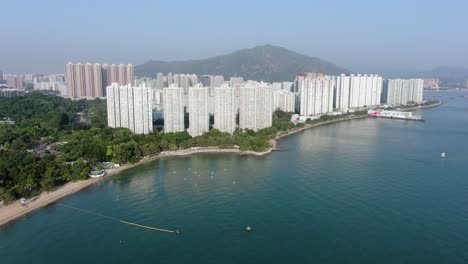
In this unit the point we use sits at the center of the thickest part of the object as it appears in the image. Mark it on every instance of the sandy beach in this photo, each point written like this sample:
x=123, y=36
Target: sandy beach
x=16, y=209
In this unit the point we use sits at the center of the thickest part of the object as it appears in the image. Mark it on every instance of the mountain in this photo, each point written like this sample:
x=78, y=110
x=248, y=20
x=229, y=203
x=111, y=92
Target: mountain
x=267, y=63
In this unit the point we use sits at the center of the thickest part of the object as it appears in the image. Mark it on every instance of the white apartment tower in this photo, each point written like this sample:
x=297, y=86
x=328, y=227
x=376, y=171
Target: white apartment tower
x=342, y=92
x=364, y=90
x=403, y=92
x=284, y=100
x=130, y=107
x=256, y=108
x=173, y=109
x=216, y=81
x=316, y=95
x=225, y=109
x=199, y=117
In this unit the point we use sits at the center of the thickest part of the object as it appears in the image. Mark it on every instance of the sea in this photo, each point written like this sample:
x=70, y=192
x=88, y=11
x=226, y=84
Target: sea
x=361, y=191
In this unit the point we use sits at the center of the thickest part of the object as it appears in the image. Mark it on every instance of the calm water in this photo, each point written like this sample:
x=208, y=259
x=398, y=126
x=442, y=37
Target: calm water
x=364, y=191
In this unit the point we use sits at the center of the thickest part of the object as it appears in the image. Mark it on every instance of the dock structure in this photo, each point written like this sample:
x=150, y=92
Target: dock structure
x=394, y=115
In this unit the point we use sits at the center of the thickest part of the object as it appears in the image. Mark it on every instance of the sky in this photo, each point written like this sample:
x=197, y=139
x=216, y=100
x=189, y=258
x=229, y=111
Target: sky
x=42, y=36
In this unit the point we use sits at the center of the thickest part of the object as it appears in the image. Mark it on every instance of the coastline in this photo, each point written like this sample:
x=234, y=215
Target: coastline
x=16, y=210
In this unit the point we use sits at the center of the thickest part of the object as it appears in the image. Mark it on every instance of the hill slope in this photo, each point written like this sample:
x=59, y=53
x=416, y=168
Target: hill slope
x=267, y=63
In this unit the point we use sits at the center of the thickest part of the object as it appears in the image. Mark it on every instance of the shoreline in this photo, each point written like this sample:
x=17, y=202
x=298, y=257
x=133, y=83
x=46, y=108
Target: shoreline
x=16, y=210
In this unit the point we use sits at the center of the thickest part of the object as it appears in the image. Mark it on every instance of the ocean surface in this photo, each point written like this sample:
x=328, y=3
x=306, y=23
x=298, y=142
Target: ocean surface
x=361, y=191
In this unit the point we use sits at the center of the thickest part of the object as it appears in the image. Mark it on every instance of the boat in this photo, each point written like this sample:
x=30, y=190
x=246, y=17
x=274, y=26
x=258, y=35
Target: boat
x=442, y=156
x=97, y=173
x=248, y=229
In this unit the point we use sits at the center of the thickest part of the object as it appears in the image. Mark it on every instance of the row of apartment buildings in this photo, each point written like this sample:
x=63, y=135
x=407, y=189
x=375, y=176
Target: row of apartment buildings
x=255, y=102
x=90, y=80
x=255, y=108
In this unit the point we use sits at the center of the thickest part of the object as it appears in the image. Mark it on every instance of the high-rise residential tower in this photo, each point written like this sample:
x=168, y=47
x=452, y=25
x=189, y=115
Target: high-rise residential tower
x=403, y=92
x=216, y=81
x=225, y=109
x=90, y=80
x=199, y=117
x=284, y=100
x=173, y=109
x=342, y=92
x=316, y=95
x=255, y=111
x=15, y=82
x=365, y=90
x=130, y=107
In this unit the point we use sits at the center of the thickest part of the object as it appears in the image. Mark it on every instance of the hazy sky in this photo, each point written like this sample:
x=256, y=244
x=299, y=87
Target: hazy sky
x=41, y=36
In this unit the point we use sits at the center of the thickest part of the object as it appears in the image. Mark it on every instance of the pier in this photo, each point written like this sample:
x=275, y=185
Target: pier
x=394, y=115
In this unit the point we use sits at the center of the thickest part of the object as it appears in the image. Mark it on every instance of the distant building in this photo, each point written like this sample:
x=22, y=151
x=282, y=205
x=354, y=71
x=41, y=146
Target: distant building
x=11, y=92
x=15, y=82
x=173, y=109
x=403, y=92
x=235, y=80
x=276, y=86
x=431, y=84
x=288, y=86
x=89, y=80
x=169, y=79
x=256, y=108
x=216, y=81
x=199, y=117
x=53, y=82
x=205, y=80
x=160, y=80
x=130, y=107
x=225, y=109
x=1, y=76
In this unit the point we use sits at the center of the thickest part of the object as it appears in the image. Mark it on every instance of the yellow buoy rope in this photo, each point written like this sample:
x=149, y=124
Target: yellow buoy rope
x=121, y=221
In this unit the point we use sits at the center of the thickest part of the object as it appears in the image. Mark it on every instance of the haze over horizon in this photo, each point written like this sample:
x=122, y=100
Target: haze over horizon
x=357, y=35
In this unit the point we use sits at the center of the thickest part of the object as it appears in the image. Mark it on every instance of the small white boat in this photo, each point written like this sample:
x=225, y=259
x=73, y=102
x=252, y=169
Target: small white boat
x=97, y=173
x=442, y=156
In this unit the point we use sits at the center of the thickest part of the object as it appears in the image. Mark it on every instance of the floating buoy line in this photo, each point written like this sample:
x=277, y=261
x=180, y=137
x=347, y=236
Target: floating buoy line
x=119, y=220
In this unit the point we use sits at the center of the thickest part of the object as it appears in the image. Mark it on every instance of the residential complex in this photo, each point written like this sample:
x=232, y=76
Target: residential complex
x=225, y=109
x=199, y=117
x=53, y=82
x=15, y=82
x=90, y=80
x=173, y=109
x=234, y=104
x=11, y=92
x=130, y=107
x=315, y=95
x=235, y=80
x=284, y=100
x=356, y=91
x=256, y=108
x=216, y=81
x=431, y=84
x=403, y=92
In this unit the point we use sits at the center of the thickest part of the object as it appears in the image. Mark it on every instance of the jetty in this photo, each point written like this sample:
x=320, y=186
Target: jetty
x=394, y=115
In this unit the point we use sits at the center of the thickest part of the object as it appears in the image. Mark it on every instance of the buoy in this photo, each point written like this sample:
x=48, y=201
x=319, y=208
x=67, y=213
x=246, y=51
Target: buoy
x=248, y=229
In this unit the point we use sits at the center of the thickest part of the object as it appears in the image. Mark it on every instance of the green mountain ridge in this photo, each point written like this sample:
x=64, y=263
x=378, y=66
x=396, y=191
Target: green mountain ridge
x=266, y=63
